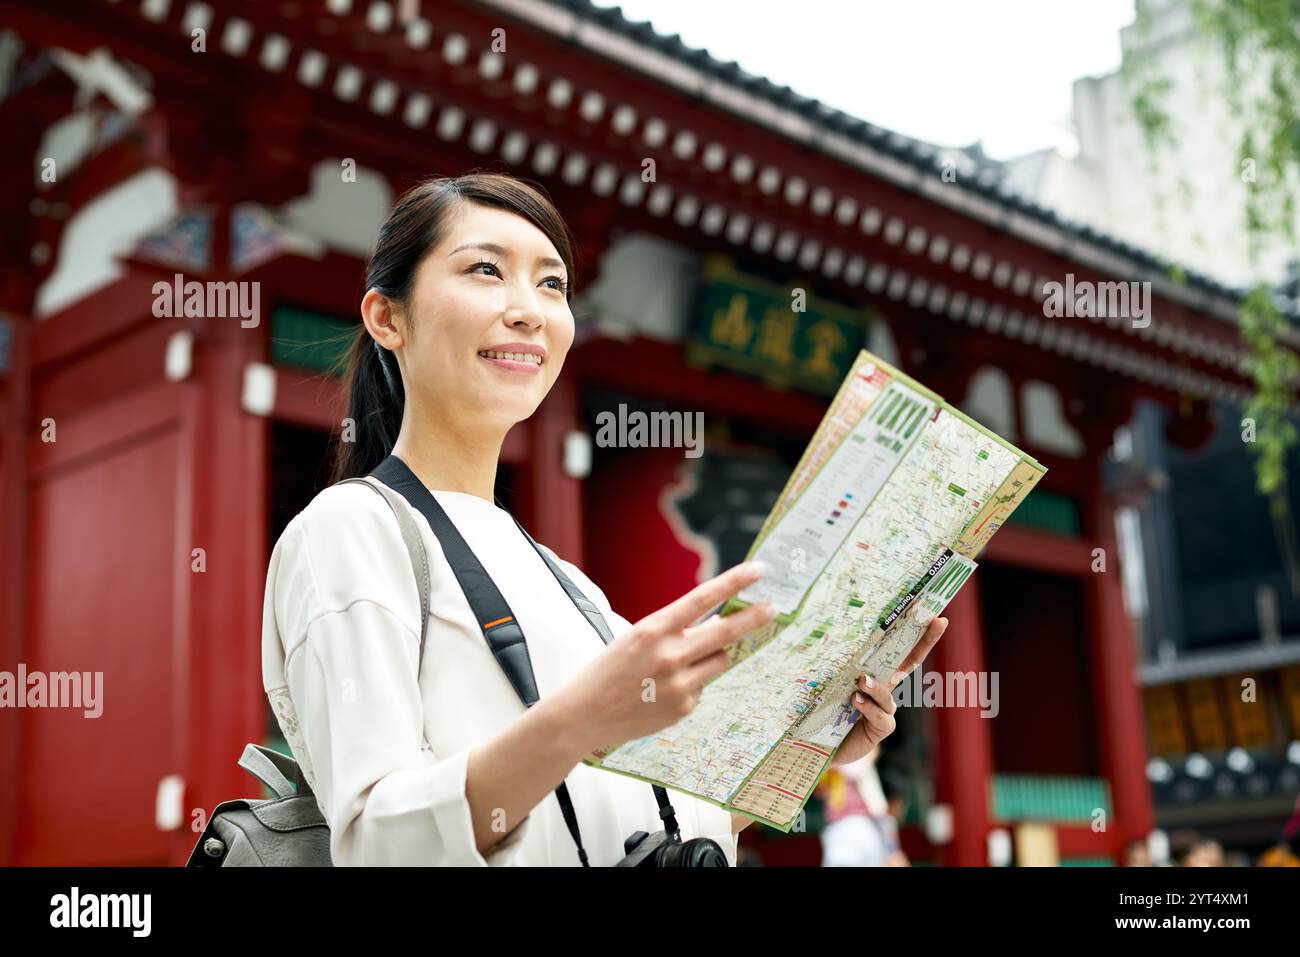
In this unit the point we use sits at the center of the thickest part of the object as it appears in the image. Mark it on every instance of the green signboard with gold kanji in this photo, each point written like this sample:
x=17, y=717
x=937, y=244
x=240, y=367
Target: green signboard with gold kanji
x=777, y=333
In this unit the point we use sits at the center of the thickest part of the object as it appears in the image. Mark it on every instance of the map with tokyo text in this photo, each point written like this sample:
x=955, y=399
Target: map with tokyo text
x=872, y=536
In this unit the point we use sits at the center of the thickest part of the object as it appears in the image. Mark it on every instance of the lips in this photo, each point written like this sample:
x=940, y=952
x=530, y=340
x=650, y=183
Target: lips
x=517, y=352
x=526, y=364
x=513, y=355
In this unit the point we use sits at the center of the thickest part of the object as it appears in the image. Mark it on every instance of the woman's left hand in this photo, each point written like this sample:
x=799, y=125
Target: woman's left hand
x=875, y=701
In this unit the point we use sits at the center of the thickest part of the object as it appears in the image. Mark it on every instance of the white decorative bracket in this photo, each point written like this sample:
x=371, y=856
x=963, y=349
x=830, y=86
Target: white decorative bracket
x=178, y=360
x=259, y=388
x=938, y=824
x=577, y=454
x=169, y=811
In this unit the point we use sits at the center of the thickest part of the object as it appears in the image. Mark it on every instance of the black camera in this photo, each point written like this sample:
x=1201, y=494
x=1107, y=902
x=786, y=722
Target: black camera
x=666, y=848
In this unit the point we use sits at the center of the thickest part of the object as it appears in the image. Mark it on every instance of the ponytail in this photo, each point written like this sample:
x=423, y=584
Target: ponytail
x=376, y=398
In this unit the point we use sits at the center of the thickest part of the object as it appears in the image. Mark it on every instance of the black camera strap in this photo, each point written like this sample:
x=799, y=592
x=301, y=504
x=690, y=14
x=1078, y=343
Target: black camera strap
x=500, y=629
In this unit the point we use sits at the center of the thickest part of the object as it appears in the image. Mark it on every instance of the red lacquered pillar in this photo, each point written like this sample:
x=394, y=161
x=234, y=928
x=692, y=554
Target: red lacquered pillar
x=1121, y=735
x=963, y=743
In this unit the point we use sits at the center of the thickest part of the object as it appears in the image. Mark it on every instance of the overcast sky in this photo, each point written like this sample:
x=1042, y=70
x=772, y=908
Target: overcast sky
x=946, y=71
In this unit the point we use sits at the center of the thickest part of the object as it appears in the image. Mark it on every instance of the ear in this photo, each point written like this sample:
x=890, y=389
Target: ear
x=383, y=319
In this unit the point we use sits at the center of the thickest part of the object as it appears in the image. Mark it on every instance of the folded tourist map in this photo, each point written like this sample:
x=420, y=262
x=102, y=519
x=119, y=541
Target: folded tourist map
x=874, y=533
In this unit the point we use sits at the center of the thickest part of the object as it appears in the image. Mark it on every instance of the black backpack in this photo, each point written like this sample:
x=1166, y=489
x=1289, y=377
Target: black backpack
x=289, y=830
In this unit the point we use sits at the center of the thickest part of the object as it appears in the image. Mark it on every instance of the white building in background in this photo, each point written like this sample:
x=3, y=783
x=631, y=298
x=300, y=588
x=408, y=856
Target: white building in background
x=1186, y=204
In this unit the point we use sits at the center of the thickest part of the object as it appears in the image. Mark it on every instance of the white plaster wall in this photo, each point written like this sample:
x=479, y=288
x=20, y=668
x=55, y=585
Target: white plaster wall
x=105, y=229
x=1112, y=186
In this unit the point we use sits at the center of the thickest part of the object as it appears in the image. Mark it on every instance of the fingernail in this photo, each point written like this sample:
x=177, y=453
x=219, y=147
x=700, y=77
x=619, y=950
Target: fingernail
x=859, y=697
x=869, y=681
x=760, y=566
x=945, y=622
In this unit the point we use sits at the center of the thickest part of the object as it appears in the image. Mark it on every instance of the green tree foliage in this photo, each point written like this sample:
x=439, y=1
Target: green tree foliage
x=1259, y=42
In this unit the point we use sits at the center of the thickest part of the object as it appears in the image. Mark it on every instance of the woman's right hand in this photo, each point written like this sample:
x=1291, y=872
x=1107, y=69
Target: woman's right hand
x=652, y=675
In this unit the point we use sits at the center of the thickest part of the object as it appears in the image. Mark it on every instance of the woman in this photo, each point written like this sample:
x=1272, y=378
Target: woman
x=466, y=327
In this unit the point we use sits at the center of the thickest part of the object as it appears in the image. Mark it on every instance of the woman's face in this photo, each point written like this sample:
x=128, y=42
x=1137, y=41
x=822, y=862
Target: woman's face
x=494, y=284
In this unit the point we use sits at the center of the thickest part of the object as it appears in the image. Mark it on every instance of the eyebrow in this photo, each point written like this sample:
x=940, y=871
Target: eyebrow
x=501, y=251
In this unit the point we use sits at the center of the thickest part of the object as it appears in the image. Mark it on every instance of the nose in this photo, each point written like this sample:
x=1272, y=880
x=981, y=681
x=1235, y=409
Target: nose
x=523, y=309
x=525, y=318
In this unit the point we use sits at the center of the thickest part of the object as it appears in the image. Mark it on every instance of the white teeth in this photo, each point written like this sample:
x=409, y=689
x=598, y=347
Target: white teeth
x=516, y=356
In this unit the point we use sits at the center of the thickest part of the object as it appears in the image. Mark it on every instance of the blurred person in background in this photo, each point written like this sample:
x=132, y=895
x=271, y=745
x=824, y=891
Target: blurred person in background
x=894, y=784
x=855, y=803
x=1181, y=845
x=1137, y=854
x=1190, y=849
x=1286, y=853
x=1205, y=853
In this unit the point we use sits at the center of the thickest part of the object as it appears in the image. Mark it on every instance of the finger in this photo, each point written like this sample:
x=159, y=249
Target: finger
x=922, y=647
x=722, y=631
x=706, y=669
x=880, y=722
x=870, y=688
x=691, y=606
x=695, y=628
x=855, y=744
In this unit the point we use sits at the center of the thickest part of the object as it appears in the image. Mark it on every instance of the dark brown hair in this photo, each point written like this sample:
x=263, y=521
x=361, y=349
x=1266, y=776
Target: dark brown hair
x=376, y=395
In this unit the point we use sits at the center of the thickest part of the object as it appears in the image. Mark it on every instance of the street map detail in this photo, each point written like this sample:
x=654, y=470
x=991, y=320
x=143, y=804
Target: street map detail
x=874, y=533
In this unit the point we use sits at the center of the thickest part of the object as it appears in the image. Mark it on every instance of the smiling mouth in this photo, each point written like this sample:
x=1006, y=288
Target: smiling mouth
x=512, y=356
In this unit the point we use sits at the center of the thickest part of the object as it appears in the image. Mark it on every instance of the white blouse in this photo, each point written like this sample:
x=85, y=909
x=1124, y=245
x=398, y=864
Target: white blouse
x=340, y=639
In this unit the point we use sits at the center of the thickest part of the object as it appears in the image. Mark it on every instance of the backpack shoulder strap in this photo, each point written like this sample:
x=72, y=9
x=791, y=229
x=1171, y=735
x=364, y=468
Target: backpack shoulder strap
x=414, y=545
x=274, y=770
x=281, y=773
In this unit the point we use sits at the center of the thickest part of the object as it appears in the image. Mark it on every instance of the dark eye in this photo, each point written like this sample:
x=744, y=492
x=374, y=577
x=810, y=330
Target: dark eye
x=492, y=266
x=562, y=287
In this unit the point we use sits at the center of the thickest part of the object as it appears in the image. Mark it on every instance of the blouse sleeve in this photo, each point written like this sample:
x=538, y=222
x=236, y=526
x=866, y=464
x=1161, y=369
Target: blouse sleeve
x=351, y=672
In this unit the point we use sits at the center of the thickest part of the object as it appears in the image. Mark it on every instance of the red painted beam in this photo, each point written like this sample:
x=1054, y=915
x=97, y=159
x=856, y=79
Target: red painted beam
x=104, y=315
x=658, y=370
x=332, y=285
x=1040, y=551
x=1080, y=840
